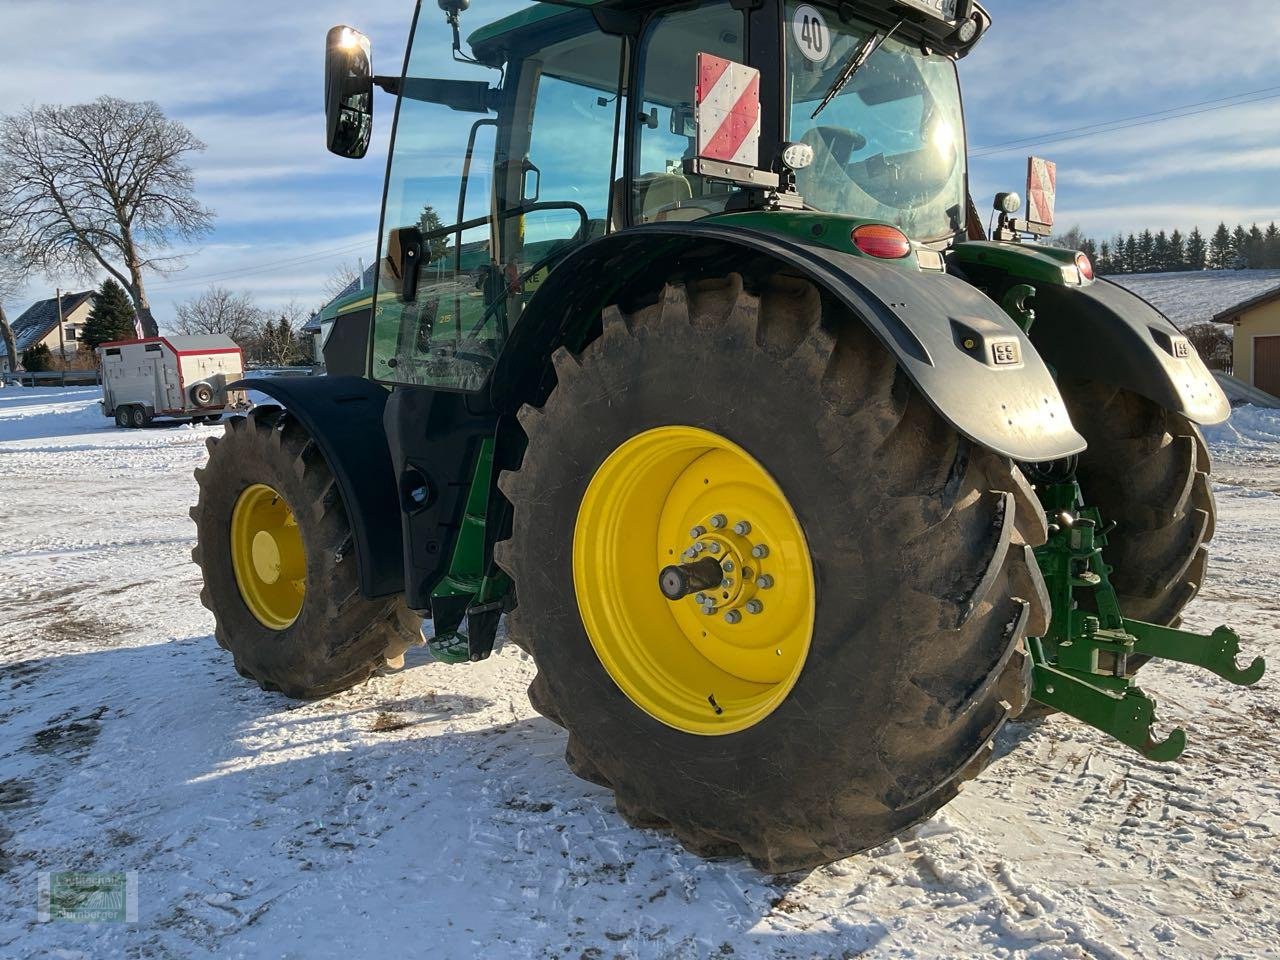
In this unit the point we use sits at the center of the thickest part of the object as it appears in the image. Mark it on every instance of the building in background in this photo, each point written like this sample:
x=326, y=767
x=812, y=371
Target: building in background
x=1256, y=353
x=39, y=324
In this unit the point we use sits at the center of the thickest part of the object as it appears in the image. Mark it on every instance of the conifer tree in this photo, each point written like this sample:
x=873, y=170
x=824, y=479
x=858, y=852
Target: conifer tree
x=1239, y=246
x=1160, y=253
x=110, y=318
x=1197, y=250
x=1271, y=247
x=1146, y=251
x=1103, y=266
x=1132, y=262
x=1177, y=251
x=1220, y=248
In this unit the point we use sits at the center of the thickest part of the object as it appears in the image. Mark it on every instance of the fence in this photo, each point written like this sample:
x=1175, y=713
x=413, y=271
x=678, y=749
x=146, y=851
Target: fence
x=53, y=378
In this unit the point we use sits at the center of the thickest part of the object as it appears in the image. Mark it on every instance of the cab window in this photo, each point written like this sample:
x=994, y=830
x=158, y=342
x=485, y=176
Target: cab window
x=660, y=190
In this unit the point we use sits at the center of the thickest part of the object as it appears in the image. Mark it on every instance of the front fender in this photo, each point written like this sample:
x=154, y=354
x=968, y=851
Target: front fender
x=344, y=417
x=968, y=358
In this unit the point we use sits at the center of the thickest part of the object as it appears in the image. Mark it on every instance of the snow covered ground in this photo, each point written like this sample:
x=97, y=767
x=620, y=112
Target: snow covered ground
x=429, y=812
x=1187, y=298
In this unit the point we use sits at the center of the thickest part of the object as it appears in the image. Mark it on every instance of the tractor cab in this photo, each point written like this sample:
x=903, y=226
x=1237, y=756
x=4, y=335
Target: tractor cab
x=590, y=122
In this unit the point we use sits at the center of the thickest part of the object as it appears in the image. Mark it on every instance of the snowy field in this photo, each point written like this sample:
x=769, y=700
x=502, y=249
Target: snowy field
x=1187, y=298
x=429, y=811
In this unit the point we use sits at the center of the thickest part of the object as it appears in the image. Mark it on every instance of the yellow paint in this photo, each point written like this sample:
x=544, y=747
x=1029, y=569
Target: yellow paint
x=672, y=660
x=1260, y=321
x=267, y=557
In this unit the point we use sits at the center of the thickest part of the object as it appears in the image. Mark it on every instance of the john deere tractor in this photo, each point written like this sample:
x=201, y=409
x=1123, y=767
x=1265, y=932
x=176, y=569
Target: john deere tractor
x=689, y=356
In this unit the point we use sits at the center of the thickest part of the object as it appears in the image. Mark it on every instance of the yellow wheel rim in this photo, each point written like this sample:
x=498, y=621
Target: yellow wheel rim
x=267, y=556
x=713, y=662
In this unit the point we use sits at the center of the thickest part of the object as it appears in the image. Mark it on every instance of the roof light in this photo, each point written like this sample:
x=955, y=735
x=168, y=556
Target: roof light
x=1086, y=267
x=1008, y=202
x=880, y=240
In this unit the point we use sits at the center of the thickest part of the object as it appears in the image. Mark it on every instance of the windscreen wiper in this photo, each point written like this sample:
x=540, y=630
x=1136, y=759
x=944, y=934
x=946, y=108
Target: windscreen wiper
x=853, y=65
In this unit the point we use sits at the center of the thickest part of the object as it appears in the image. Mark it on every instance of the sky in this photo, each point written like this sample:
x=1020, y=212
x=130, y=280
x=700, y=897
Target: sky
x=245, y=77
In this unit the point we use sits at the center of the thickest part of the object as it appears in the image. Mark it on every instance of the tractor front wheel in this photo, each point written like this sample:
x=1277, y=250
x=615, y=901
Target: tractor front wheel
x=274, y=546
x=776, y=600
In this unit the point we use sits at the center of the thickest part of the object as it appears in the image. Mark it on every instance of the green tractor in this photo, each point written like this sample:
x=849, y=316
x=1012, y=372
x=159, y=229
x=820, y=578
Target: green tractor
x=688, y=353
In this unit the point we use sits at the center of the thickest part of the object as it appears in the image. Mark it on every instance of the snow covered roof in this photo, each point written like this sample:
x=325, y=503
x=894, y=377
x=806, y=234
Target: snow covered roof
x=1232, y=313
x=41, y=318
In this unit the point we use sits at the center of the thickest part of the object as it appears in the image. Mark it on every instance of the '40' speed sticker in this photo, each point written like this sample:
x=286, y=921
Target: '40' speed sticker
x=811, y=33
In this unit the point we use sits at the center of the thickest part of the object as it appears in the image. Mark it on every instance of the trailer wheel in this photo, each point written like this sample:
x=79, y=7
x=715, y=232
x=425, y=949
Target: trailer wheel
x=274, y=547
x=123, y=418
x=138, y=416
x=846, y=674
x=201, y=394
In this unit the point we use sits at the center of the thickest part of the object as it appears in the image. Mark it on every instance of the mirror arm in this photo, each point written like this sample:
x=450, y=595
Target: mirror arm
x=389, y=84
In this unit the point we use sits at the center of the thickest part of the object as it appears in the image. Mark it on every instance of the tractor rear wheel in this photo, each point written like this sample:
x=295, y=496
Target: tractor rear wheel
x=865, y=643
x=1146, y=470
x=274, y=546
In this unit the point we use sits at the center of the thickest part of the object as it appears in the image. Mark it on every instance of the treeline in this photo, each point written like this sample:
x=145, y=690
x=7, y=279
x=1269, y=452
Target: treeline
x=1242, y=248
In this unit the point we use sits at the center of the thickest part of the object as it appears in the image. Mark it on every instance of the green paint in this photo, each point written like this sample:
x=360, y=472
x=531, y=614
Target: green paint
x=527, y=17
x=831, y=230
x=1079, y=665
x=468, y=582
x=1026, y=261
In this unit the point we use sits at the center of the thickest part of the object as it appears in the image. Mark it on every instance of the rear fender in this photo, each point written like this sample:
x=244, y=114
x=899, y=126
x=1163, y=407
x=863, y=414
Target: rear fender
x=1098, y=330
x=344, y=417
x=968, y=358
x=1103, y=332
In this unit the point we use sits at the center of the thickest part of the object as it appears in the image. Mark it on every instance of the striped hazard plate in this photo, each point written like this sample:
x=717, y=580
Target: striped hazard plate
x=727, y=111
x=1042, y=190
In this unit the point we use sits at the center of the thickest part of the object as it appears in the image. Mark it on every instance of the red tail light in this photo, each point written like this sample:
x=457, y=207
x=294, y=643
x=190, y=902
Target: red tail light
x=1086, y=268
x=877, y=240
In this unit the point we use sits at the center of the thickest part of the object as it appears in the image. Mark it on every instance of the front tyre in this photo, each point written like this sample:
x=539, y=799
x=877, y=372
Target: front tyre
x=844, y=688
x=274, y=547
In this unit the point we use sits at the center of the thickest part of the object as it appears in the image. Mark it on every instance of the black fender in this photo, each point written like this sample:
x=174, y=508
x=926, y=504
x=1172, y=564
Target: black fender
x=964, y=353
x=344, y=417
x=1101, y=331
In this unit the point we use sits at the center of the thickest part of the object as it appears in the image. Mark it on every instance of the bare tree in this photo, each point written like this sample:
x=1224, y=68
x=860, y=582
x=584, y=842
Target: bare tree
x=218, y=310
x=276, y=341
x=101, y=185
x=344, y=275
x=12, y=279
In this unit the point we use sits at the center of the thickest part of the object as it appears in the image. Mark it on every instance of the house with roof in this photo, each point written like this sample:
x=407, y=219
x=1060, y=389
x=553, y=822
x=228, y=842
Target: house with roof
x=1256, y=353
x=39, y=323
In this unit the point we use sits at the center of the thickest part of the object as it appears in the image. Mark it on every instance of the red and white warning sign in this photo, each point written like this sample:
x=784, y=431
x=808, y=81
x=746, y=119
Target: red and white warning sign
x=726, y=111
x=1042, y=190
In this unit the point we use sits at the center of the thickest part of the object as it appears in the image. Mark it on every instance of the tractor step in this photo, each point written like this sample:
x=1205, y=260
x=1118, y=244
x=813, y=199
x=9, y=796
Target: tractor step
x=1081, y=665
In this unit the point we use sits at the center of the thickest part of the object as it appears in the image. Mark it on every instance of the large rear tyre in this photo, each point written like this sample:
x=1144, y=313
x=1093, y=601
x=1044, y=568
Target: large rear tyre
x=274, y=547
x=1146, y=470
x=920, y=583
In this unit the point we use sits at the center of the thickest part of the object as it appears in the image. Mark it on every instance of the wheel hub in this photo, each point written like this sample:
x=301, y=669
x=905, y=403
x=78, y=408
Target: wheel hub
x=268, y=557
x=721, y=642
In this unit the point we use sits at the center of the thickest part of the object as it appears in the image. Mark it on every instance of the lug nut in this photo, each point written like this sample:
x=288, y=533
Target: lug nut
x=719, y=520
x=691, y=553
x=759, y=551
x=696, y=532
x=715, y=547
x=728, y=566
x=700, y=599
x=754, y=606
x=709, y=609
x=764, y=581
x=733, y=616
x=742, y=528
x=726, y=583
x=699, y=547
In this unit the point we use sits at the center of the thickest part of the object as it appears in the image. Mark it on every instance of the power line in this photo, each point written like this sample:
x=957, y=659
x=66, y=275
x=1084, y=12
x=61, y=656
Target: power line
x=1126, y=123
x=259, y=268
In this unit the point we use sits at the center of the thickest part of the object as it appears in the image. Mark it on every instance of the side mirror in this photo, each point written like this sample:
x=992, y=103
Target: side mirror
x=348, y=92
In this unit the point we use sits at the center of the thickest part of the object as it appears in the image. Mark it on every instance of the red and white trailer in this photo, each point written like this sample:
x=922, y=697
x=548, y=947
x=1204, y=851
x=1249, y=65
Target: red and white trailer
x=181, y=377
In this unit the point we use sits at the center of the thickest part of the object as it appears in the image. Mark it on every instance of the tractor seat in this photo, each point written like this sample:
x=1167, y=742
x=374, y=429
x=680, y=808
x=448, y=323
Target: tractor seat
x=657, y=194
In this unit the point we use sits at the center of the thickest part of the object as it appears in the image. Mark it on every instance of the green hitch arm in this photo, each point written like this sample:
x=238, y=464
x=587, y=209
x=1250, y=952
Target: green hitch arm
x=1216, y=653
x=1125, y=712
